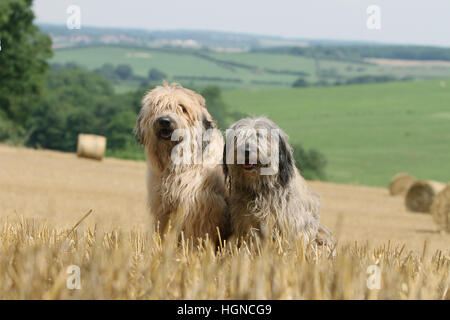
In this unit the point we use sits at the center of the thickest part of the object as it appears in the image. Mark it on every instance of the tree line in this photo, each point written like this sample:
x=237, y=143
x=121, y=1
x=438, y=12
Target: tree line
x=357, y=53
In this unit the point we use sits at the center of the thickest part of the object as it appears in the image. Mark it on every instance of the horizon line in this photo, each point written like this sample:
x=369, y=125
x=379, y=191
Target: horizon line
x=367, y=42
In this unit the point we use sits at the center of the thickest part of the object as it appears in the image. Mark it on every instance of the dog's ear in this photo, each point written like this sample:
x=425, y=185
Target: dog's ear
x=138, y=129
x=285, y=162
x=224, y=161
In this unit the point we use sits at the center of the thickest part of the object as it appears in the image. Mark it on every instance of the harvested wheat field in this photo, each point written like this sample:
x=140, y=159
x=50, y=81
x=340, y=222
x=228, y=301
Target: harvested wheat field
x=43, y=194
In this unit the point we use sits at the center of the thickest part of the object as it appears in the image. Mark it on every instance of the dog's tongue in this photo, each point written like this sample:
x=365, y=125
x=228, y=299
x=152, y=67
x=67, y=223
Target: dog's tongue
x=245, y=165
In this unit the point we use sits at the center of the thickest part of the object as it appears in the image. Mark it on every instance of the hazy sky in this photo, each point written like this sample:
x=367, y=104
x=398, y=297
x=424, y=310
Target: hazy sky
x=402, y=21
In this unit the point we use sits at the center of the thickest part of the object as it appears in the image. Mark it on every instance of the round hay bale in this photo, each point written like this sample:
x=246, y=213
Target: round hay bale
x=400, y=183
x=440, y=209
x=421, y=194
x=91, y=146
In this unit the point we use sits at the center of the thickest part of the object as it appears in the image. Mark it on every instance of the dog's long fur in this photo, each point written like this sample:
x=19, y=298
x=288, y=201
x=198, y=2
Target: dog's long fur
x=261, y=204
x=190, y=195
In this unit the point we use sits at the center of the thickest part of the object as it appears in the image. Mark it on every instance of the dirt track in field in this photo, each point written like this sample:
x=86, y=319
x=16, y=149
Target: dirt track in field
x=60, y=188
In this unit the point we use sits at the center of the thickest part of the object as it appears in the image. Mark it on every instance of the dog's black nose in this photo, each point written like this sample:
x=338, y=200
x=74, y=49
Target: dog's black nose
x=164, y=122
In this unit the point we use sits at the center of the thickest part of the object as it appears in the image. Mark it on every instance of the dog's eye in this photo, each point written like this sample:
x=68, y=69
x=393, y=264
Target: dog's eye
x=183, y=108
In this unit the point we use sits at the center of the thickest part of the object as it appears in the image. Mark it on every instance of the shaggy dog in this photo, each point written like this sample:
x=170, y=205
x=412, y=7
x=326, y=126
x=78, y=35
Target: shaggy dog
x=185, y=181
x=266, y=193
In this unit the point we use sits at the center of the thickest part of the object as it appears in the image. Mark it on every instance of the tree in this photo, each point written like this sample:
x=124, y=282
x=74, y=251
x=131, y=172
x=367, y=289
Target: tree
x=48, y=125
x=77, y=101
x=311, y=163
x=370, y=79
x=81, y=101
x=124, y=71
x=156, y=75
x=120, y=130
x=23, y=65
x=10, y=132
x=108, y=71
x=300, y=82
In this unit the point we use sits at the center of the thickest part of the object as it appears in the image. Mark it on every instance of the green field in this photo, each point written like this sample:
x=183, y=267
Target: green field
x=176, y=65
x=367, y=132
x=236, y=70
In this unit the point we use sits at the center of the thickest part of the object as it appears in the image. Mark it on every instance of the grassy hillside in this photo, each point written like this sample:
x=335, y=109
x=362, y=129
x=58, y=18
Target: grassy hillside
x=367, y=132
x=178, y=65
x=236, y=70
